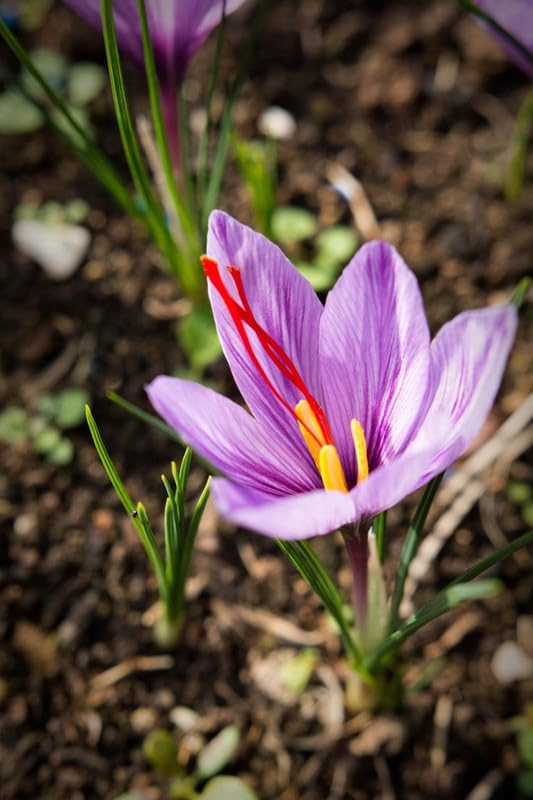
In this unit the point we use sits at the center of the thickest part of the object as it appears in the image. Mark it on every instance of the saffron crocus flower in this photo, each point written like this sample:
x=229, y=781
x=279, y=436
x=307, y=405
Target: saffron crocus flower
x=177, y=27
x=516, y=17
x=351, y=406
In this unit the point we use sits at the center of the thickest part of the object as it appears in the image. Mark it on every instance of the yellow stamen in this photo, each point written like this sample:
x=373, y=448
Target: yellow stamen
x=360, y=450
x=330, y=469
x=310, y=423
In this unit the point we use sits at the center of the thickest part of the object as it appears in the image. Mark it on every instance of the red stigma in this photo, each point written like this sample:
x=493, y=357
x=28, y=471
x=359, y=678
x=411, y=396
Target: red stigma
x=242, y=317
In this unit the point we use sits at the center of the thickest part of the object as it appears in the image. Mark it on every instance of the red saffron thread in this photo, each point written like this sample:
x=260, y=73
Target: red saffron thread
x=243, y=315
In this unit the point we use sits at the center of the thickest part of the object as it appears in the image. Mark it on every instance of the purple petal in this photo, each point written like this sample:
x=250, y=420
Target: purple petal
x=516, y=17
x=229, y=438
x=284, y=304
x=392, y=482
x=468, y=358
x=294, y=517
x=177, y=28
x=374, y=347
x=193, y=20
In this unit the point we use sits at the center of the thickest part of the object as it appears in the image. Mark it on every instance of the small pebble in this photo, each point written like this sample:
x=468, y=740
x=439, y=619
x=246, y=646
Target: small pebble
x=184, y=718
x=510, y=663
x=25, y=525
x=143, y=720
x=164, y=699
x=277, y=122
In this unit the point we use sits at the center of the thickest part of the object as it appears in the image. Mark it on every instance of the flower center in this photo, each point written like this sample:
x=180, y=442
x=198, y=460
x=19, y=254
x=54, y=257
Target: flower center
x=308, y=412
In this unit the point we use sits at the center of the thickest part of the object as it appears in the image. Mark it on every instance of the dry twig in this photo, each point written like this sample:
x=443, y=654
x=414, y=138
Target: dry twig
x=465, y=487
x=352, y=190
x=266, y=621
x=138, y=664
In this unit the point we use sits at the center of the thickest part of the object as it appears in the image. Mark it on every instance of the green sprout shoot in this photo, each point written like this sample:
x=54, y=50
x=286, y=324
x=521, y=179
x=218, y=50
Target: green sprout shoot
x=170, y=563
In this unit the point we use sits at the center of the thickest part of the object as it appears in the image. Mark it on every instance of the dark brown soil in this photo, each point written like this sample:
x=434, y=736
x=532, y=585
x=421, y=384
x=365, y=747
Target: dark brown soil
x=418, y=102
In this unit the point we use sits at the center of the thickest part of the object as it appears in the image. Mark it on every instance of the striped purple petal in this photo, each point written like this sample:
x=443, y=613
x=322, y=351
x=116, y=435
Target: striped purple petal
x=285, y=305
x=229, y=438
x=177, y=28
x=298, y=516
x=374, y=350
x=516, y=17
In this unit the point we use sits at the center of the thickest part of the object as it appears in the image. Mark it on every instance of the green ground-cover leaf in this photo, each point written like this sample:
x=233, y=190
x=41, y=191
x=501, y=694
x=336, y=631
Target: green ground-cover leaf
x=226, y=787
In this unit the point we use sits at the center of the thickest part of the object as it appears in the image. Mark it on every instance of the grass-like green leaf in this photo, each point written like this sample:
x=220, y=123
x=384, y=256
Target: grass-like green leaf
x=494, y=558
x=136, y=512
x=306, y=562
x=144, y=416
x=456, y=592
x=410, y=546
x=190, y=274
x=194, y=524
x=158, y=424
x=203, y=146
x=154, y=213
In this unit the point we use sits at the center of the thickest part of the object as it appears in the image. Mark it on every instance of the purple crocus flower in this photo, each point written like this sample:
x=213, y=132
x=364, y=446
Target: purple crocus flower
x=351, y=405
x=516, y=17
x=177, y=27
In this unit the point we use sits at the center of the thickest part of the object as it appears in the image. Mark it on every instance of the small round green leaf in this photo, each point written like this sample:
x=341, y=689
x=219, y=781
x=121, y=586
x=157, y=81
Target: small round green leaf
x=70, y=408
x=13, y=425
x=37, y=424
x=519, y=492
x=62, y=453
x=161, y=752
x=52, y=67
x=46, y=440
x=183, y=788
x=17, y=114
x=84, y=82
x=292, y=224
x=76, y=211
x=52, y=213
x=47, y=405
x=320, y=276
x=26, y=211
x=226, y=787
x=217, y=752
x=336, y=245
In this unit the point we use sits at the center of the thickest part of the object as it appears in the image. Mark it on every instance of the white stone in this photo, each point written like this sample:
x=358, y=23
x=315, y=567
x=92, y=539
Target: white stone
x=58, y=248
x=277, y=122
x=510, y=663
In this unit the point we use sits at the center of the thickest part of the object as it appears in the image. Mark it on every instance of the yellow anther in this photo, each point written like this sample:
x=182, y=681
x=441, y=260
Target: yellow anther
x=360, y=450
x=330, y=469
x=307, y=416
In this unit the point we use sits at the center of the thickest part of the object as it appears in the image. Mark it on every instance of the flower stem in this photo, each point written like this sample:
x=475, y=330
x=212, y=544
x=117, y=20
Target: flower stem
x=169, y=106
x=356, y=543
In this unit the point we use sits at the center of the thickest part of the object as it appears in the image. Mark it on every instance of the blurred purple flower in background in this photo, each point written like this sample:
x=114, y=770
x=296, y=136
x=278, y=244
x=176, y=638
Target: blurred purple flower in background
x=516, y=17
x=352, y=407
x=177, y=27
